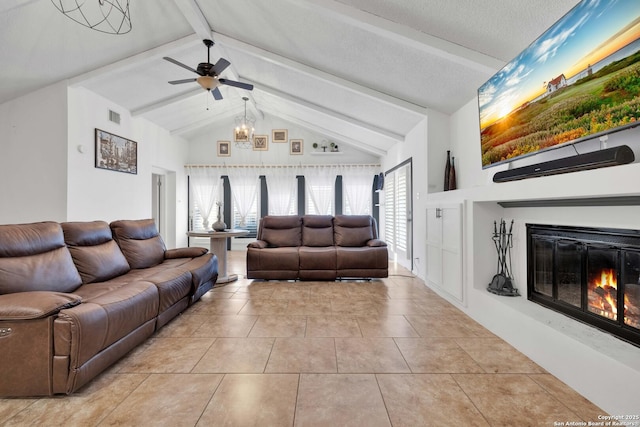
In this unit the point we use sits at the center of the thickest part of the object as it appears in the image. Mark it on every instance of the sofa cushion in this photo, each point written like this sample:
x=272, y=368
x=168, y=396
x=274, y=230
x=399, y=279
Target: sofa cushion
x=139, y=241
x=317, y=230
x=353, y=230
x=281, y=231
x=95, y=254
x=34, y=257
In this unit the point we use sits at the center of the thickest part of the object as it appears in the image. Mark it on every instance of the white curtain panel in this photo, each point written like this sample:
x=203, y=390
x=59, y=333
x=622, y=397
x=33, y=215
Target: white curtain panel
x=282, y=187
x=357, y=182
x=205, y=185
x=320, y=183
x=244, y=183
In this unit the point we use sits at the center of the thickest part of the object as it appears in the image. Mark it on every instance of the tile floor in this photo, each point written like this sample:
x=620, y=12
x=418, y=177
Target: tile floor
x=379, y=353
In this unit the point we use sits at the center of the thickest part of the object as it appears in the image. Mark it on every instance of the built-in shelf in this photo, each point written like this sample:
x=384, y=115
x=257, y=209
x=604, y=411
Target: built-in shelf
x=325, y=153
x=587, y=201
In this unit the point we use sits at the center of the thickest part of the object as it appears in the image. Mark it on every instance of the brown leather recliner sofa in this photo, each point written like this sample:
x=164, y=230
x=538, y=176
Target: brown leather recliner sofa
x=317, y=247
x=77, y=296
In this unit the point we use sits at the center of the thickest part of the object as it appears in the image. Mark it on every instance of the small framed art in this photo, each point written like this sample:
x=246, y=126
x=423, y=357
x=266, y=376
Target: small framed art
x=279, y=135
x=296, y=146
x=116, y=153
x=260, y=143
x=224, y=148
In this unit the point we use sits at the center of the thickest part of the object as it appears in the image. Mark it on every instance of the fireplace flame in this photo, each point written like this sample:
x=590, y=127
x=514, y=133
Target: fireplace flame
x=607, y=288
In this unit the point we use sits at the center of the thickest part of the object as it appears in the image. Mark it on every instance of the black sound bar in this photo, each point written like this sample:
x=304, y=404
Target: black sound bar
x=613, y=156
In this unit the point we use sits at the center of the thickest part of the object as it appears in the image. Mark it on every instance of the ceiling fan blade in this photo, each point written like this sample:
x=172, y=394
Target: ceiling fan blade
x=216, y=94
x=241, y=85
x=177, y=82
x=220, y=66
x=180, y=64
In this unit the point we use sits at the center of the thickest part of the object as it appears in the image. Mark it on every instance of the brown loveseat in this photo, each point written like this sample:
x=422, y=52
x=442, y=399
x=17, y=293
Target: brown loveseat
x=317, y=247
x=75, y=297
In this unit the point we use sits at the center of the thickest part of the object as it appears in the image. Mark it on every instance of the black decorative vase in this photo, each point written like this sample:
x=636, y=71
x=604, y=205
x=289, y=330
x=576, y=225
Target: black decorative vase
x=452, y=175
x=447, y=171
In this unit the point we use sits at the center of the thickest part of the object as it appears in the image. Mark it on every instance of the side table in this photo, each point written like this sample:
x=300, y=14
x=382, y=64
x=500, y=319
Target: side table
x=218, y=246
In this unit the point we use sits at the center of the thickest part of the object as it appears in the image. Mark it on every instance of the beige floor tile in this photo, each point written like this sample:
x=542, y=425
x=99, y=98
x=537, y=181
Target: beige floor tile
x=291, y=292
x=254, y=292
x=252, y=400
x=369, y=355
x=88, y=406
x=265, y=306
x=166, y=400
x=340, y=400
x=218, y=306
x=295, y=355
x=165, y=355
x=279, y=326
x=182, y=326
x=427, y=400
x=513, y=399
x=436, y=355
x=385, y=326
x=331, y=290
x=354, y=307
x=11, y=407
x=221, y=293
x=438, y=326
x=236, y=355
x=496, y=356
x=332, y=326
x=399, y=307
x=230, y=325
x=309, y=306
x=569, y=397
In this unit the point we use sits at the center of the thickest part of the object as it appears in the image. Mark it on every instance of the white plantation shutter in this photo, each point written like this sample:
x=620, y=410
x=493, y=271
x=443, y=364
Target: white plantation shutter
x=397, y=190
x=390, y=210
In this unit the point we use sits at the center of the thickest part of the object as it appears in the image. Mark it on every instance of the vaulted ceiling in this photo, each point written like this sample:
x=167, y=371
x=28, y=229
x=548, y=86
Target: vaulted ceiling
x=361, y=72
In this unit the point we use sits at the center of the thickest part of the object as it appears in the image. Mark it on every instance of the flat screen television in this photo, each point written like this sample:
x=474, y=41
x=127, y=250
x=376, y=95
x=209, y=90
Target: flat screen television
x=579, y=80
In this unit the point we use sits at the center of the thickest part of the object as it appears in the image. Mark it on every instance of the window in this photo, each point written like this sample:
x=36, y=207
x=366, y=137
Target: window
x=319, y=192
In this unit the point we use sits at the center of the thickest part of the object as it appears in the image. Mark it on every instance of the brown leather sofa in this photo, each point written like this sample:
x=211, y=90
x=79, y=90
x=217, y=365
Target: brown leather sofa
x=317, y=247
x=75, y=297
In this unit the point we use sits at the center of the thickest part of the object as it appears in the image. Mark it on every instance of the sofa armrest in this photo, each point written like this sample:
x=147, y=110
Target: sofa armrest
x=193, y=252
x=376, y=243
x=35, y=305
x=258, y=244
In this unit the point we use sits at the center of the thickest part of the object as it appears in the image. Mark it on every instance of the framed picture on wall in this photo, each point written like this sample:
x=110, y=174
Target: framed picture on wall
x=260, y=143
x=279, y=135
x=241, y=135
x=116, y=153
x=224, y=148
x=296, y=146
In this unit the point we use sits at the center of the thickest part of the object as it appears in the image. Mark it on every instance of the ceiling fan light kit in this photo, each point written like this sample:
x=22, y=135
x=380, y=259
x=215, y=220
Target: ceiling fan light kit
x=106, y=16
x=209, y=73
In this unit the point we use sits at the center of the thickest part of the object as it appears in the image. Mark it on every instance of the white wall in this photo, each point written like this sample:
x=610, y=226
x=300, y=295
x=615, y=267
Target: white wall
x=202, y=148
x=33, y=160
x=95, y=193
x=420, y=144
x=566, y=348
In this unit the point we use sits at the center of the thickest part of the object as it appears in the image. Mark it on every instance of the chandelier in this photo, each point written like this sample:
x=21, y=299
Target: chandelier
x=106, y=16
x=243, y=132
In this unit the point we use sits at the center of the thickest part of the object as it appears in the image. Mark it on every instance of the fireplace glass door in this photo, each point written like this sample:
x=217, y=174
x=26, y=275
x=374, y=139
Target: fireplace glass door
x=590, y=274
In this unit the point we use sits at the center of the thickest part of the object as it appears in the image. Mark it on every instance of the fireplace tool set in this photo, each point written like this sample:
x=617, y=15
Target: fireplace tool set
x=502, y=282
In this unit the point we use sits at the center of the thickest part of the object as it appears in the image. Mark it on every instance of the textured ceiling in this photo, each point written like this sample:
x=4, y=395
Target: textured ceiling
x=363, y=71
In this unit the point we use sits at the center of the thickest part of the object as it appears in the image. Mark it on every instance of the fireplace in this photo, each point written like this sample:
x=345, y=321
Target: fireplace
x=590, y=274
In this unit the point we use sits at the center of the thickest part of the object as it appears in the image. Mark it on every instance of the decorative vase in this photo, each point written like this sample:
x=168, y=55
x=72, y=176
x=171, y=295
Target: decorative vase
x=452, y=175
x=219, y=225
x=447, y=171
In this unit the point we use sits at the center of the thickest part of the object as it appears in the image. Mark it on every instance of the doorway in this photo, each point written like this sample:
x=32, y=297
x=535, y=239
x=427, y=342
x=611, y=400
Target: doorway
x=398, y=213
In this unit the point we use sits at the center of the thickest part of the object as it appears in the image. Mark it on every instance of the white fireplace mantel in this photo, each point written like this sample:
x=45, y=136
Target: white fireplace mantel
x=568, y=349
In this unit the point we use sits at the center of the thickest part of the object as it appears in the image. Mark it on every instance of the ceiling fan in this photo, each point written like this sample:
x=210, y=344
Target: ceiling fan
x=209, y=74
